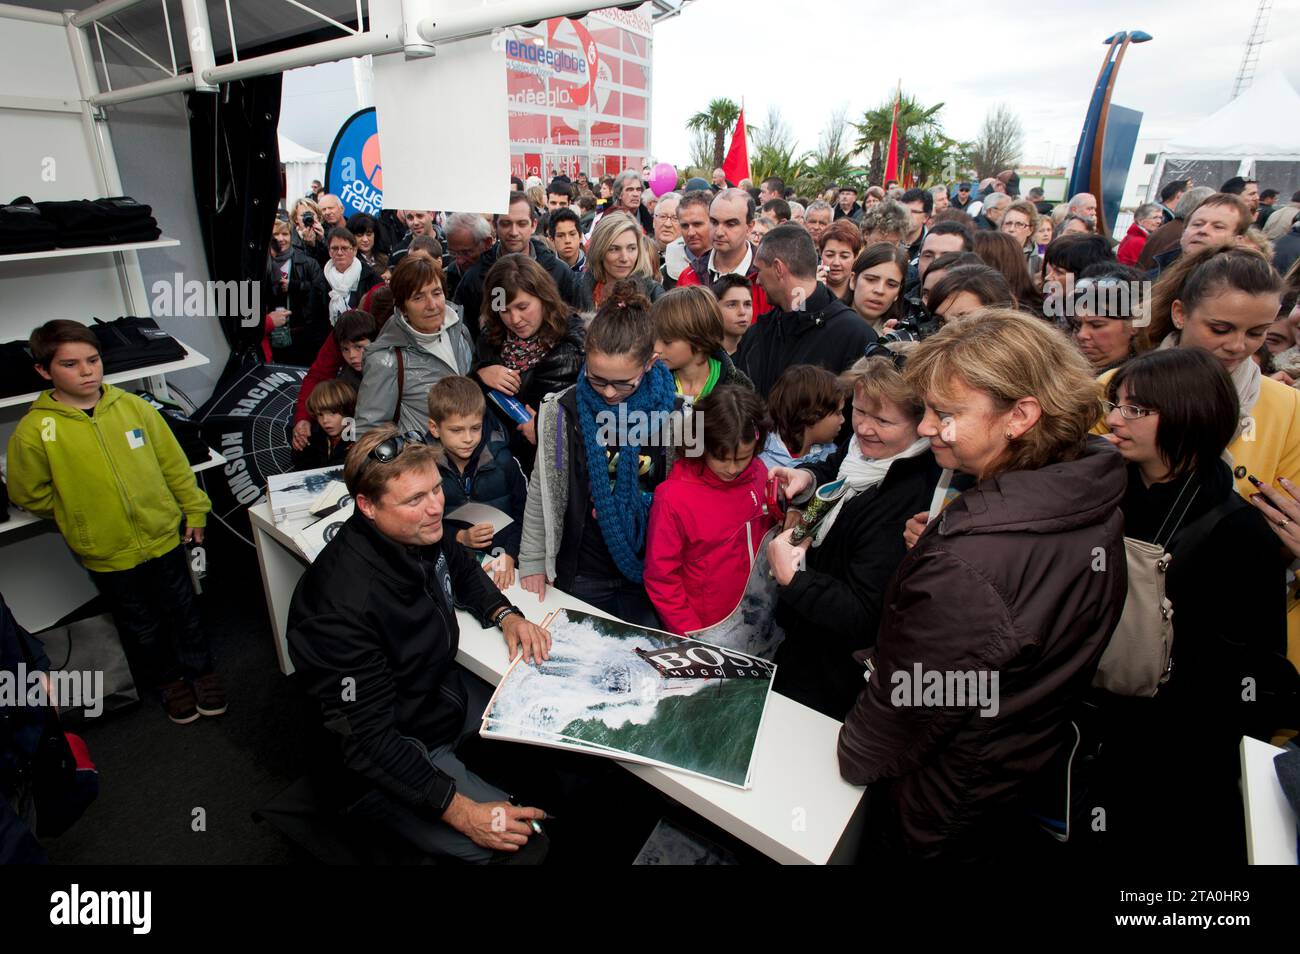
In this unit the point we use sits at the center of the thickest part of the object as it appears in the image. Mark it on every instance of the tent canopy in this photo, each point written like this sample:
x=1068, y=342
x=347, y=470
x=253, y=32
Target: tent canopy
x=290, y=151
x=301, y=165
x=1258, y=123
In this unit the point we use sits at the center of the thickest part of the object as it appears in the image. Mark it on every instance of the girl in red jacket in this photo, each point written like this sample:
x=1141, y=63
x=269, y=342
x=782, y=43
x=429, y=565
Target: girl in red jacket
x=708, y=518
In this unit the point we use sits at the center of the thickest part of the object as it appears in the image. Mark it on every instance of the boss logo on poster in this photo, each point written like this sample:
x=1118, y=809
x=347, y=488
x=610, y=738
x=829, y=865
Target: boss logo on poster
x=693, y=660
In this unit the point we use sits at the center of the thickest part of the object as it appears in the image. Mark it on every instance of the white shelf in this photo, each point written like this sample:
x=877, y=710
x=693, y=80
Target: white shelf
x=163, y=242
x=18, y=519
x=192, y=359
x=214, y=460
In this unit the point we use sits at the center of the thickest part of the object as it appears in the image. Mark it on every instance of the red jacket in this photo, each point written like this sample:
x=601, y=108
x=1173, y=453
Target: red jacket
x=703, y=536
x=697, y=274
x=1131, y=245
x=326, y=367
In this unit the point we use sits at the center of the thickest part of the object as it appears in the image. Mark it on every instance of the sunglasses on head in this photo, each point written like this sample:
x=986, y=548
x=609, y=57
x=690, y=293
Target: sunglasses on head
x=387, y=451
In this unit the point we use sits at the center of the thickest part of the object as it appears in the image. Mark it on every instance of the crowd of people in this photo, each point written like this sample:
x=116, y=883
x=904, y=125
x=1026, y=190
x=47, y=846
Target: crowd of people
x=1007, y=396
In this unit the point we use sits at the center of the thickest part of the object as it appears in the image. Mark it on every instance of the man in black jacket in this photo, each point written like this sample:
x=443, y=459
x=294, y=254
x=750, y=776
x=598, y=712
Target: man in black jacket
x=807, y=324
x=373, y=635
x=514, y=235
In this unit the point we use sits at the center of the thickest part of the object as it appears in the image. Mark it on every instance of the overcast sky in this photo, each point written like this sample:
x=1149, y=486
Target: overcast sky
x=1040, y=59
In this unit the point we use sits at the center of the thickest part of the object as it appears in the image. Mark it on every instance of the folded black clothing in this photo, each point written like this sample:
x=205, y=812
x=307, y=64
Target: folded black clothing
x=109, y=236
x=18, y=370
x=130, y=343
x=24, y=229
x=82, y=214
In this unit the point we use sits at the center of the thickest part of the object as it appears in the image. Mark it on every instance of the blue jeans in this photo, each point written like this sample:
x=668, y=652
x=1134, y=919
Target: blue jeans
x=430, y=836
x=617, y=596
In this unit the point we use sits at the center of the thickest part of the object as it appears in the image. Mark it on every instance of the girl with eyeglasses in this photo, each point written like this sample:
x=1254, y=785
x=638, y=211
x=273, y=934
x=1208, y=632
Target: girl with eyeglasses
x=1171, y=413
x=1222, y=300
x=603, y=446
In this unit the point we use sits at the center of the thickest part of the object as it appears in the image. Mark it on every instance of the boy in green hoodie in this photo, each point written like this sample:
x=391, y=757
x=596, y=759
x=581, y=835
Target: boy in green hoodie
x=104, y=465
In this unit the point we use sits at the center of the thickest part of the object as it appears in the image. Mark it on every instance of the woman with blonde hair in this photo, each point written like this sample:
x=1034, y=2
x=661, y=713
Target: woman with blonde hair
x=309, y=230
x=832, y=586
x=617, y=252
x=1004, y=587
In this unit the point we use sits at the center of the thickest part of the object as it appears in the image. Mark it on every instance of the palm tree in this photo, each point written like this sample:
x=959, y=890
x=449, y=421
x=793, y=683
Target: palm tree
x=719, y=119
x=873, y=131
x=773, y=160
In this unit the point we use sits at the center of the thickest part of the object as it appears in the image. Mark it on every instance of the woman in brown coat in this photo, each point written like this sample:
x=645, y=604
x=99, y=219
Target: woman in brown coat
x=993, y=626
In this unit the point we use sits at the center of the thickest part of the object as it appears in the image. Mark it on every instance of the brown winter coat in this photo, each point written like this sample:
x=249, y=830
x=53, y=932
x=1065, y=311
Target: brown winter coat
x=1005, y=580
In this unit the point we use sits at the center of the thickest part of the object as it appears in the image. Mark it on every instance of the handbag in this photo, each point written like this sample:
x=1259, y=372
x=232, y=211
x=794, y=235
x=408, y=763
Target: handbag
x=1139, y=657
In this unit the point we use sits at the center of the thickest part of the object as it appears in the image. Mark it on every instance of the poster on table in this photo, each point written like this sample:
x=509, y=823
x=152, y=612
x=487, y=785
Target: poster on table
x=640, y=695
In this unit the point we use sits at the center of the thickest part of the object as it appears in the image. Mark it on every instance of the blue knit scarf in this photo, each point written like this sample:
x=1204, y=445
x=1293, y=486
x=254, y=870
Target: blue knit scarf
x=624, y=512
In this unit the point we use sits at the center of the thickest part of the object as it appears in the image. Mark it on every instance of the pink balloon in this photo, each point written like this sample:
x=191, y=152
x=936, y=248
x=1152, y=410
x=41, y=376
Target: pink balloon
x=663, y=178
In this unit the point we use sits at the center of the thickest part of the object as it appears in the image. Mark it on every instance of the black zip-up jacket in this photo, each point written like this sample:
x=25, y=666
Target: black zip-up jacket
x=831, y=609
x=383, y=614
x=826, y=332
x=555, y=372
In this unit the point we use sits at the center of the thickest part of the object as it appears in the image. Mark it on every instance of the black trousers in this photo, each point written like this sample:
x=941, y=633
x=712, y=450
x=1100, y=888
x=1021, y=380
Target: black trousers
x=153, y=607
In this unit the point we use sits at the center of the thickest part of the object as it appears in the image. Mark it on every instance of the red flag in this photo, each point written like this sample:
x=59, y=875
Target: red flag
x=736, y=166
x=891, y=158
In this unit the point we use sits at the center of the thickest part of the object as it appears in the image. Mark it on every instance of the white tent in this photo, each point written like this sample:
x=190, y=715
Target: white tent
x=1254, y=135
x=300, y=167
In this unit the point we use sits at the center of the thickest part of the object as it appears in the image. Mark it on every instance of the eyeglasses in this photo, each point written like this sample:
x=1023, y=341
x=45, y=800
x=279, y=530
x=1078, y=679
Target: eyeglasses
x=340, y=249
x=387, y=451
x=1015, y=225
x=1130, y=412
x=620, y=387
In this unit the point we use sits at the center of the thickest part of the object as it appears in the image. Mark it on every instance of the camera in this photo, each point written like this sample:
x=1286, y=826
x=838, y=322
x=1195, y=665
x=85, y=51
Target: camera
x=308, y=219
x=916, y=324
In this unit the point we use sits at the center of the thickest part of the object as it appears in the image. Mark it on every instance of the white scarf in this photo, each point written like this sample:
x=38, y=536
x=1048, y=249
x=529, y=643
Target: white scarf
x=1246, y=378
x=342, y=285
x=860, y=473
x=437, y=343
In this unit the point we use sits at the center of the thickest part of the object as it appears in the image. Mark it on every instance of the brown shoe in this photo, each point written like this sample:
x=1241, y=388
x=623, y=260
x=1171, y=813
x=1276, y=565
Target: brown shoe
x=210, y=695
x=178, y=700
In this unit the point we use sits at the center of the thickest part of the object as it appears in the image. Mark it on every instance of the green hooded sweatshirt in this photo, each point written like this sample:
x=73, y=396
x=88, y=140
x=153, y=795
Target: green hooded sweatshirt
x=116, y=483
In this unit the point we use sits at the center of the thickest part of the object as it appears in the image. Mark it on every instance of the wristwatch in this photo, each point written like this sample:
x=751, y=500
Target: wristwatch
x=499, y=617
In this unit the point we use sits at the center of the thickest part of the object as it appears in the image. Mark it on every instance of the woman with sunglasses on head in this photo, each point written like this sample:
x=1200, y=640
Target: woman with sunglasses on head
x=600, y=455
x=1171, y=413
x=1222, y=300
x=832, y=585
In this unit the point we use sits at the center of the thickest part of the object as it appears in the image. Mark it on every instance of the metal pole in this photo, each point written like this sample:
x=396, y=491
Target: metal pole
x=341, y=49
x=11, y=11
x=479, y=20
x=198, y=36
x=101, y=10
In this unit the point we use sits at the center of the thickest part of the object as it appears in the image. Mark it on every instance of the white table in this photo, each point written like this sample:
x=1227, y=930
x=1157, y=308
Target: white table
x=798, y=810
x=1271, y=825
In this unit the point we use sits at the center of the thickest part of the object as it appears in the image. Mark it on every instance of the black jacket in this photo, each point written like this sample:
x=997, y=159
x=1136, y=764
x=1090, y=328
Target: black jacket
x=319, y=328
x=826, y=332
x=555, y=372
x=384, y=615
x=319, y=452
x=831, y=609
x=491, y=477
x=1229, y=618
x=1286, y=250
x=469, y=291
x=302, y=298
x=855, y=213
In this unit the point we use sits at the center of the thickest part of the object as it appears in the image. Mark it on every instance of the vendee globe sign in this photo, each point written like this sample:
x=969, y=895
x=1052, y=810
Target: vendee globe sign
x=578, y=96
